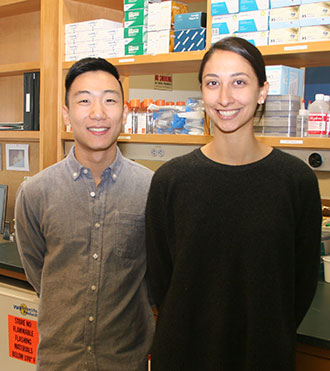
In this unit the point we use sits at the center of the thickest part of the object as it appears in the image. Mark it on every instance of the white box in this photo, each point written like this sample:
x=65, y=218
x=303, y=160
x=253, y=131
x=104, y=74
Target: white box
x=161, y=15
x=256, y=38
x=284, y=17
x=253, y=21
x=159, y=42
x=92, y=36
x=93, y=46
x=314, y=14
x=95, y=24
x=283, y=36
x=283, y=3
x=310, y=1
x=284, y=80
x=224, y=24
x=219, y=7
x=314, y=33
x=252, y=5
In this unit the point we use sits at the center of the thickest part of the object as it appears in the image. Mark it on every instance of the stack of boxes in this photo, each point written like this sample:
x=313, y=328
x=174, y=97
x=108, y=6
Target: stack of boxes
x=161, y=17
x=268, y=22
x=190, y=32
x=97, y=38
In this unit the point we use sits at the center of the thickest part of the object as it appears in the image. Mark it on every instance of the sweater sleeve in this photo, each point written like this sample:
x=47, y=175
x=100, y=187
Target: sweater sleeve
x=308, y=243
x=30, y=241
x=158, y=254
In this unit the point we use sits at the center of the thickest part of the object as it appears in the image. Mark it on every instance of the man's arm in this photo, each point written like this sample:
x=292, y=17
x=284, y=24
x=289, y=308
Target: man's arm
x=30, y=242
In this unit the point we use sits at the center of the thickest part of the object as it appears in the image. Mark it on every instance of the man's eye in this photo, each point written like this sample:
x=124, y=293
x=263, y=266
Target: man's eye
x=83, y=101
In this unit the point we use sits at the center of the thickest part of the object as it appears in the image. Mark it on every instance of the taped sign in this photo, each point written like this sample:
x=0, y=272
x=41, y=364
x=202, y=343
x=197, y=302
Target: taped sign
x=23, y=339
x=163, y=81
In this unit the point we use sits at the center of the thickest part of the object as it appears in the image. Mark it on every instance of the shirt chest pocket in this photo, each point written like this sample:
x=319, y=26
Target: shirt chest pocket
x=129, y=235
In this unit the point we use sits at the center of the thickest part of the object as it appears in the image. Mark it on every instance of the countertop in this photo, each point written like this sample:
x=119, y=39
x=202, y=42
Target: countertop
x=314, y=329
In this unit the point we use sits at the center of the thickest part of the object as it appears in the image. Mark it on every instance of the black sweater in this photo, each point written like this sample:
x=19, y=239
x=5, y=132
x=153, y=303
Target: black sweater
x=233, y=257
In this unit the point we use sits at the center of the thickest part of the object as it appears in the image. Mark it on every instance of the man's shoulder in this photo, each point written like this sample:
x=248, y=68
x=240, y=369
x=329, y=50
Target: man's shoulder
x=137, y=169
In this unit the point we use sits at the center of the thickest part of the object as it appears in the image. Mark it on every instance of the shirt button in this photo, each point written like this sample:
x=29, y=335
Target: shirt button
x=89, y=348
x=75, y=175
x=90, y=318
x=114, y=177
x=85, y=171
x=95, y=256
x=92, y=194
x=93, y=287
x=97, y=225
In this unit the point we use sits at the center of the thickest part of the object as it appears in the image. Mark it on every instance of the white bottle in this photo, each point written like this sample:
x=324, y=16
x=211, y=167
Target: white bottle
x=302, y=121
x=318, y=117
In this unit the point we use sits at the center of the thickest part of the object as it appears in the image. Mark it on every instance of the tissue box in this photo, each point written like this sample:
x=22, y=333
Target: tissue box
x=161, y=15
x=136, y=49
x=135, y=4
x=95, y=46
x=314, y=14
x=188, y=40
x=284, y=17
x=284, y=80
x=135, y=35
x=189, y=20
x=111, y=34
x=160, y=42
x=256, y=38
x=283, y=36
x=96, y=24
x=219, y=7
x=251, y=5
x=314, y=33
x=253, y=21
x=283, y=3
x=136, y=17
x=224, y=24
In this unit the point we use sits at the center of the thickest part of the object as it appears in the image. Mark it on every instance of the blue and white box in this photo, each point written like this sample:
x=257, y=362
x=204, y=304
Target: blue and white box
x=284, y=17
x=253, y=21
x=188, y=21
x=256, y=38
x=224, y=24
x=251, y=5
x=283, y=3
x=314, y=14
x=284, y=80
x=219, y=7
x=189, y=40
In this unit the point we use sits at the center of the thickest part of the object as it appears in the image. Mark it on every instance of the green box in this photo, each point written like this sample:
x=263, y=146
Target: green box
x=135, y=4
x=137, y=17
x=137, y=49
x=135, y=35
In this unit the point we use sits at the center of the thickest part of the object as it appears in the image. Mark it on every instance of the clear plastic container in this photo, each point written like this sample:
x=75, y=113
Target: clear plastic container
x=302, y=121
x=318, y=117
x=135, y=106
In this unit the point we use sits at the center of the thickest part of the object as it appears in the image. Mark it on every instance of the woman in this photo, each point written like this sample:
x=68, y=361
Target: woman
x=233, y=234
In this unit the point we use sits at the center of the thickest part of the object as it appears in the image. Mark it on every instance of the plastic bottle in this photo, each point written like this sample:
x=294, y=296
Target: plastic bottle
x=135, y=106
x=327, y=100
x=302, y=121
x=127, y=127
x=148, y=116
x=318, y=117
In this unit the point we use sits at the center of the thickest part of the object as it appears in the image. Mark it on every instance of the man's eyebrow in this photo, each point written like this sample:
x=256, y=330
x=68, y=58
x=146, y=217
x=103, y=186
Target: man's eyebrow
x=91, y=92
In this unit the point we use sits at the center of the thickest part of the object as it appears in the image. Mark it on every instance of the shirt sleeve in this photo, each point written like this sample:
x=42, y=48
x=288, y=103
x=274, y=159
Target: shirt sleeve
x=158, y=254
x=308, y=245
x=30, y=241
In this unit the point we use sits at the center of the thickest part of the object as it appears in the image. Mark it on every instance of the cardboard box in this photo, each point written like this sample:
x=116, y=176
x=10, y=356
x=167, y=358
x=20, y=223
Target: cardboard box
x=283, y=36
x=284, y=17
x=219, y=7
x=136, y=17
x=135, y=35
x=314, y=33
x=314, y=14
x=96, y=24
x=161, y=15
x=189, y=20
x=283, y=3
x=136, y=49
x=189, y=40
x=225, y=24
x=135, y=4
x=160, y=42
x=253, y=21
x=104, y=53
x=256, y=38
x=92, y=36
x=284, y=80
x=252, y=5
x=94, y=46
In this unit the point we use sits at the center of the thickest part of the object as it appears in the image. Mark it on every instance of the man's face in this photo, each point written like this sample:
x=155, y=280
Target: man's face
x=95, y=111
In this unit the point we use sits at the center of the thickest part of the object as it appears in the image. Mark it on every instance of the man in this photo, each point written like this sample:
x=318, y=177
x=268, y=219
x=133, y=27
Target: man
x=80, y=233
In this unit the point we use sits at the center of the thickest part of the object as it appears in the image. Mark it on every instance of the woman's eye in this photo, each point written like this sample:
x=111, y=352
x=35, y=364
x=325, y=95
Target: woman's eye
x=212, y=83
x=239, y=82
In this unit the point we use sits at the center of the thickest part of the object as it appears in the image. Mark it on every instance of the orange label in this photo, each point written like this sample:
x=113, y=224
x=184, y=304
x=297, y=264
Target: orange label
x=23, y=339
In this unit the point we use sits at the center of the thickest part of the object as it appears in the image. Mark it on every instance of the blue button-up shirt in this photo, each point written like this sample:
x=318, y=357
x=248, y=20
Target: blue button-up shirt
x=83, y=250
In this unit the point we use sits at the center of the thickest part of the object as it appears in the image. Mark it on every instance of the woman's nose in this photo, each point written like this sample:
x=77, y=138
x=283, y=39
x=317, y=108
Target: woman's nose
x=225, y=96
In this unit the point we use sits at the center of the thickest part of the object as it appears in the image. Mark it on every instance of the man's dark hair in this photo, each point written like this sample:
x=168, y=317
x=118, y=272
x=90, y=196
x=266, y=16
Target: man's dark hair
x=87, y=65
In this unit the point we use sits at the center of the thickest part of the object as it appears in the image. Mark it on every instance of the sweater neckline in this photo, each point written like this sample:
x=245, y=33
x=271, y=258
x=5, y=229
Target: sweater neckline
x=248, y=166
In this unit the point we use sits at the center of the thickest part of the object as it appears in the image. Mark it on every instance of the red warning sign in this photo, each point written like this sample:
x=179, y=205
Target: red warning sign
x=23, y=339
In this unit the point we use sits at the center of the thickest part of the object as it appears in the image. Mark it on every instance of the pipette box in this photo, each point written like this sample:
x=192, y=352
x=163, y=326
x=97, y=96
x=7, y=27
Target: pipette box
x=251, y=5
x=220, y=7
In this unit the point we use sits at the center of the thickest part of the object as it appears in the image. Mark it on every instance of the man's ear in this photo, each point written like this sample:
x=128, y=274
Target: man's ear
x=125, y=112
x=65, y=115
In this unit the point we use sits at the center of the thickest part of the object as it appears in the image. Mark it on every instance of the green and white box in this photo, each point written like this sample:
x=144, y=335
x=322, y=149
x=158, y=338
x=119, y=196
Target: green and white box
x=137, y=49
x=137, y=17
x=135, y=35
x=135, y=4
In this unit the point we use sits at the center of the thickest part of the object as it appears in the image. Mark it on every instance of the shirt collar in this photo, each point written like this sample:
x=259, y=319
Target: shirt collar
x=76, y=168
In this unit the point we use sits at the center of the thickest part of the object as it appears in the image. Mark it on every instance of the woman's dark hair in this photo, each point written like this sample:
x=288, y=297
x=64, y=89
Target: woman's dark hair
x=243, y=48
x=87, y=65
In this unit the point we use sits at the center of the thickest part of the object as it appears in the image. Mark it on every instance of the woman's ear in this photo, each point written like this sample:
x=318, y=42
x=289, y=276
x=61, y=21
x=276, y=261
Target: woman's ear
x=263, y=93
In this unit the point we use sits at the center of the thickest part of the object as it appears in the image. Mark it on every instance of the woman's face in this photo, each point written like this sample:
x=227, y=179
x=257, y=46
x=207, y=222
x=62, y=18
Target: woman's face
x=231, y=91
